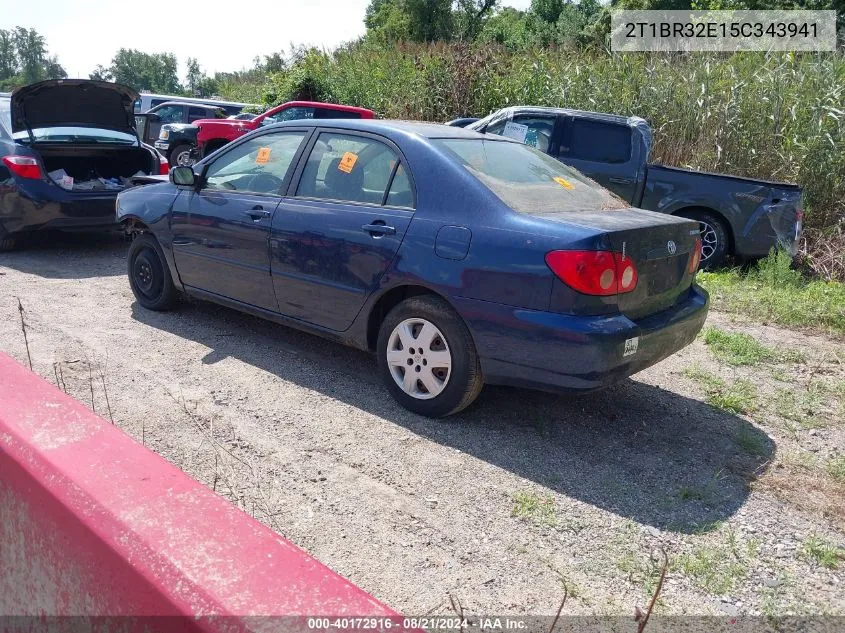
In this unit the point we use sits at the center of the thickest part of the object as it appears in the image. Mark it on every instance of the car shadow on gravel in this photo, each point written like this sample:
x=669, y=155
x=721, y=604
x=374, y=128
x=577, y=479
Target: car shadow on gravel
x=69, y=255
x=641, y=451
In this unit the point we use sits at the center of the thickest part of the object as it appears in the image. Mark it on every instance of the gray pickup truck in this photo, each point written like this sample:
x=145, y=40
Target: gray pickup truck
x=738, y=216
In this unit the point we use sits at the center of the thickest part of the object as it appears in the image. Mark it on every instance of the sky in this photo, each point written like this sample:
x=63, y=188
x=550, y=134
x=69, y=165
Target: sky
x=224, y=36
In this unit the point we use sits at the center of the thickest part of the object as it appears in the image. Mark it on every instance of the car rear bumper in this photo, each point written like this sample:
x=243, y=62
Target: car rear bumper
x=43, y=205
x=558, y=352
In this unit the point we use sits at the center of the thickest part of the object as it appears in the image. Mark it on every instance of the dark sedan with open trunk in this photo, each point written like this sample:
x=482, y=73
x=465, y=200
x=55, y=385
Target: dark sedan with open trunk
x=67, y=147
x=459, y=258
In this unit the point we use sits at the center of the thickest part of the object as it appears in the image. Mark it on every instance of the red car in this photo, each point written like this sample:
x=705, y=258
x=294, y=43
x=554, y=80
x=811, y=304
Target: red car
x=215, y=133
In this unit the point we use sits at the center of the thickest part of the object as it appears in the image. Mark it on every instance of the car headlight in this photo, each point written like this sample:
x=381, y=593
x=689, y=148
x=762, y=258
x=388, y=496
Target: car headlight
x=164, y=135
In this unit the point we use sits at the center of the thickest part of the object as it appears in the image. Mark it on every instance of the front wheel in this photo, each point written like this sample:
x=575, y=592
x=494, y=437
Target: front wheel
x=182, y=156
x=427, y=358
x=149, y=276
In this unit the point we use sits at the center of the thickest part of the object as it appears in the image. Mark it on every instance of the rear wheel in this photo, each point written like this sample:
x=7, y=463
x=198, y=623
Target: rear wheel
x=714, y=238
x=427, y=358
x=181, y=156
x=149, y=276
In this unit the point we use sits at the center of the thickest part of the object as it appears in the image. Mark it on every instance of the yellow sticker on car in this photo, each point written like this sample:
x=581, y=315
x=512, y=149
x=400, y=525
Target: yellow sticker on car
x=263, y=156
x=564, y=183
x=347, y=163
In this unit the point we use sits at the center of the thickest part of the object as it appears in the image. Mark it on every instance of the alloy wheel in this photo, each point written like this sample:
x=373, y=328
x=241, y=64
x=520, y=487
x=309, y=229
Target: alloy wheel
x=419, y=358
x=709, y=240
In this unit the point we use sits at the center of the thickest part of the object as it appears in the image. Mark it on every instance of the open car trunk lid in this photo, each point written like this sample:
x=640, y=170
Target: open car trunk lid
x=659, y=245
x=73, y=103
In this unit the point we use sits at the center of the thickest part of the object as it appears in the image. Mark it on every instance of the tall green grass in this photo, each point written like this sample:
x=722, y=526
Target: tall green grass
x=776, y=116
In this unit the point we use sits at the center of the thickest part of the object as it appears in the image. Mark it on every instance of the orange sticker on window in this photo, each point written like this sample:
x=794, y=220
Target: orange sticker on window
x=564, y=183
x=347, y=163
x=263, y=155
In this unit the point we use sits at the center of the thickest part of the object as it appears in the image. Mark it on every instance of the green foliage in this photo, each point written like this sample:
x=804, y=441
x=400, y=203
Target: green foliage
x=743, y=349
x=823, y=552
x=738, y=396
x=24, y=59
x=156, y=72
x=539, y=508
x=772, y=291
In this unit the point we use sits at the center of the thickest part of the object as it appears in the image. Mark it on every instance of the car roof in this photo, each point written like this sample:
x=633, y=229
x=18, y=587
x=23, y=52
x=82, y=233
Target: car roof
x=388, y=127
x=632, y=121
x=194, y=104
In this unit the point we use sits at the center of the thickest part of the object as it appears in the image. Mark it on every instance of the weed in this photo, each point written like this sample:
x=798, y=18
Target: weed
x=836, y=468
x=739, y=396
x=713, y=569
x=743, y=349
x=752, y=441
x=539, y=508
x=822, y=552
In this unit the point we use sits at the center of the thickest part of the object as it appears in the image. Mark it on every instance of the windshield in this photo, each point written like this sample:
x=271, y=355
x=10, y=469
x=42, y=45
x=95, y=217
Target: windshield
x=62, y=134
x=526, y=180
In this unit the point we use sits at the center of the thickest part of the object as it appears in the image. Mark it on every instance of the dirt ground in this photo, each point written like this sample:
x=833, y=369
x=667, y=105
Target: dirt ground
x=499, y=507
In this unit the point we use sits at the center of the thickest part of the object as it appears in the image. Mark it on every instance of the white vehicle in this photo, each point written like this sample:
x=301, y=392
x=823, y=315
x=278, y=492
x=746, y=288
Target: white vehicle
x=148, y=100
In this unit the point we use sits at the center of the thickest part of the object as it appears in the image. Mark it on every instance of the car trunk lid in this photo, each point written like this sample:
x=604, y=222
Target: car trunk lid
x=73, y=103
x=659, y=245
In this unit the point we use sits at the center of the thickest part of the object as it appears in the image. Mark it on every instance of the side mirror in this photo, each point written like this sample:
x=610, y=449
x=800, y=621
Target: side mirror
x=183, y=176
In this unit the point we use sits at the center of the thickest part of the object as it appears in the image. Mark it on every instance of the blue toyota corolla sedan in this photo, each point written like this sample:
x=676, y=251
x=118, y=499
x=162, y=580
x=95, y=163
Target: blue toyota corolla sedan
x=460, y=259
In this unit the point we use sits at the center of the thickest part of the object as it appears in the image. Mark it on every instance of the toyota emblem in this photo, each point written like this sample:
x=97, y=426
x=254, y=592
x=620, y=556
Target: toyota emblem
x=670, y=245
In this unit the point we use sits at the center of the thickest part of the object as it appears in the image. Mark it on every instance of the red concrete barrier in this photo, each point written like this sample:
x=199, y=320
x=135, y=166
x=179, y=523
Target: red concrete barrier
x=94, y=524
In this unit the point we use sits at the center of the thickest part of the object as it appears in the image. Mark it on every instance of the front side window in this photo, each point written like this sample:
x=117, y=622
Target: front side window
x=349, y=168
x=259, y=165
x=531, y=129
x=527, y=180
x=195, y=113
x=170, y=114
x=289, y=114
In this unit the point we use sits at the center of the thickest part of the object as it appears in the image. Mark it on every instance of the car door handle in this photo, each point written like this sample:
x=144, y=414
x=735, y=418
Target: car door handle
x=621, y=181
x=258, y=212
x=378, y=228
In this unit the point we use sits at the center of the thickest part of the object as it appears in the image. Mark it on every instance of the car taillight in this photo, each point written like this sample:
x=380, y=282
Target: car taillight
x=594, y=272
x=695, y=256
x=163, y=166
x=23, y=166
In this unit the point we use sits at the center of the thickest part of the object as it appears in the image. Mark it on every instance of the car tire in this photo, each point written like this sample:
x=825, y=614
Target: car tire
x=714, y=238
x=149, y=275
x=175, y=154
x=427, y=357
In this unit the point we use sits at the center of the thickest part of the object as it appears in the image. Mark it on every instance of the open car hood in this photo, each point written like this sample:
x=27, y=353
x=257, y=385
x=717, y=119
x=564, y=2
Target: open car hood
x=73, y=102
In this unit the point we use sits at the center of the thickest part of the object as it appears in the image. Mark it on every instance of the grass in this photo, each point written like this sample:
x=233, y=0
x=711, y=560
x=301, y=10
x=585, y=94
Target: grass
x=713, y=569
x=752, y=441
x=739, y=396
x=743, y=349
x=539, y=508
x=804, y=405
x=836, y=468
x=823, y=552
x=772, y=292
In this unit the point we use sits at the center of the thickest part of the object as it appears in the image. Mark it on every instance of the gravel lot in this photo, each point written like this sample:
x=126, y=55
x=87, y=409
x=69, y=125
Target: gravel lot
x=499, y=506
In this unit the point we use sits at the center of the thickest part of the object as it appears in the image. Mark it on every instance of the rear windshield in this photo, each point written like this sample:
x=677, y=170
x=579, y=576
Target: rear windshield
x=529, y=181
x=63, y=134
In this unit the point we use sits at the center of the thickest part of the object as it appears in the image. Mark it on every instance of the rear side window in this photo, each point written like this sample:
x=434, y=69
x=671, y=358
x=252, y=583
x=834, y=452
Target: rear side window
x=351, y=169
x=527, y=180
x=597, y=141
x=289, y=114
x=195, y=113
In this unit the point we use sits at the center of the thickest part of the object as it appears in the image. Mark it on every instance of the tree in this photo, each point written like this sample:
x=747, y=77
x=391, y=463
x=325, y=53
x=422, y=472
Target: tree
x=547, y=10
x=101, y=73
x=194, y=76
x=416, y=20
x=470, y=16
x=8, y=56
x=32, y=54
x=157, y=72
x=53, y=69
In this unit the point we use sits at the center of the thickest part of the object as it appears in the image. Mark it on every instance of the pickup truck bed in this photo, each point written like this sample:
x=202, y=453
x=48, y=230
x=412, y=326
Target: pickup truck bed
x=737, y=216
